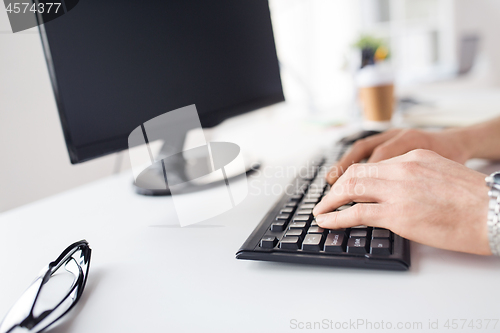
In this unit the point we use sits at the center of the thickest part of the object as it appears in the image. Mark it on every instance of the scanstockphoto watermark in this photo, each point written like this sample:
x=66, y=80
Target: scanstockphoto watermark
x=366, y=324
x=353, y=324
x=265, y=179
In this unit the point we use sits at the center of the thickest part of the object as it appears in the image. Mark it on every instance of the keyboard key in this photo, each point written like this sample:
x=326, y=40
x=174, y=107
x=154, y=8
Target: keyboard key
x=291, y=204
x=304, y=212
x=316, y=189
x=320, y=182
x=316, y=230
x=381, y=233
x=283, y=217
x=314, y=223
x=297, y=225
x=290, y=243
x=287, y=210
x=313, y=196
x=295, y=233
x=312, y=242
x=357, y=245
x=335, y=243
x=278, y=226
x=310, y=201
x=302, y=218
x=337, y=231
x=309, y=175
x=303, y=188
x=357, y=233
x=268, y=242
x=307, y=206
x=380, y=247
x=296, y=197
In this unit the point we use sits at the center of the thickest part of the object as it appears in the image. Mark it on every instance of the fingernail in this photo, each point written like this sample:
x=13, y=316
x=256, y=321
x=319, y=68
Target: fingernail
x=320, y=219
x=316, y=209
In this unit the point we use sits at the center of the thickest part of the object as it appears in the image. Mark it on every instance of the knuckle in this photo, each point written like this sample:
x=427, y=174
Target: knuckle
x=380, y=151
x=409, y=132
x=353, y=169
x=410, y=166
x=352, y=182
x=422, y=153
x=357, y=212
x=359, y=144
x=334, y=219
x=367, y=214
x=412, y=134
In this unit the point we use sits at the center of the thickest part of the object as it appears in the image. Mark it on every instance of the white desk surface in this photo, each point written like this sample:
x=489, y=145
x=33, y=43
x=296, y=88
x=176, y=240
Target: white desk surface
x=149, y=275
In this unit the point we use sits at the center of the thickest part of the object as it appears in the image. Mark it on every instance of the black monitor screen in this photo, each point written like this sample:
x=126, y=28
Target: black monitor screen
x=116, y=64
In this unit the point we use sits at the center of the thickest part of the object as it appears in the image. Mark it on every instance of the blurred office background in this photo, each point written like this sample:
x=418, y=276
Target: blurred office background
x=432, y=43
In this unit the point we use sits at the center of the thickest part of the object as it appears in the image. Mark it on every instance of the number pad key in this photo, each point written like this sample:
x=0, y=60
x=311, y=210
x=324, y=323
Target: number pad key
x=357, y=245
x=295, y=233
x=316, y=230
x=297, y=225
x=312, y=201
x=307, y=206
x=335, y=243
x=278, y=226
x=268, y=242
x=301, y=218
x=283, y=217
x=313, y=242
x=381, y=233
x=290, y=243
x=287, y=210
x=357, y=233
x=380, y=247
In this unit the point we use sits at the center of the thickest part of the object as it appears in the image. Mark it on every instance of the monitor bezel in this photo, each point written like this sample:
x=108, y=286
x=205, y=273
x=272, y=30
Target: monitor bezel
x=79, y=154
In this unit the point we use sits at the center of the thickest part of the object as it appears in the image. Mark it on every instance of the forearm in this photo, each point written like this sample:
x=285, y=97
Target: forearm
x=481, y=140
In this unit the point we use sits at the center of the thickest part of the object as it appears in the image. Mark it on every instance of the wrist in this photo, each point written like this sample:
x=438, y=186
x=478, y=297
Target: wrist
x=493, y=182
x=468, y=141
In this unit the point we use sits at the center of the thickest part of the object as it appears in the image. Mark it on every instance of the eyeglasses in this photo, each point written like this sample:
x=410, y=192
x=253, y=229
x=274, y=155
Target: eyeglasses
x=53, y=293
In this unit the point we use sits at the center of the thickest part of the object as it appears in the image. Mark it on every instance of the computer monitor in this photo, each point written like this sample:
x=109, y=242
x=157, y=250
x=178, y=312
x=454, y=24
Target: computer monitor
x=114, y=65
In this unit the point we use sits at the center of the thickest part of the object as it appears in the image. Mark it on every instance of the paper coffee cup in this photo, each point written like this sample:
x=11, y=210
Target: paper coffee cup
x=376, y=92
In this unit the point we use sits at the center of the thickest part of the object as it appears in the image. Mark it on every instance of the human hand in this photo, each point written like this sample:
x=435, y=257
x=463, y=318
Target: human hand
x=420, y=196
x=450, y=144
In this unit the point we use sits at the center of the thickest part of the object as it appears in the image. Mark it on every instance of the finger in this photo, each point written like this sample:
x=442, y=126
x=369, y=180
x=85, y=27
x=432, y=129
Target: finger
x=360, y=150
x=383, y=170
x=368, y=214
x=417, y=155
x=399, y=144
x=355, y=190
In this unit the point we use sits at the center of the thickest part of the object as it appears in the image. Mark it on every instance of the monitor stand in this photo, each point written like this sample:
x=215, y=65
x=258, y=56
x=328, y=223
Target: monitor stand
x=181, y=168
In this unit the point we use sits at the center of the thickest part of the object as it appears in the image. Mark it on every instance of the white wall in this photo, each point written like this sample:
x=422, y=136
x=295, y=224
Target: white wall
x=313, y=38
x=482, y=17
x=33, y=158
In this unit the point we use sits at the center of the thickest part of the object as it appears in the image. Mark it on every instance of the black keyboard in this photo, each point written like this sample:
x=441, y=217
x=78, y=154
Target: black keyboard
x=290, y=234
